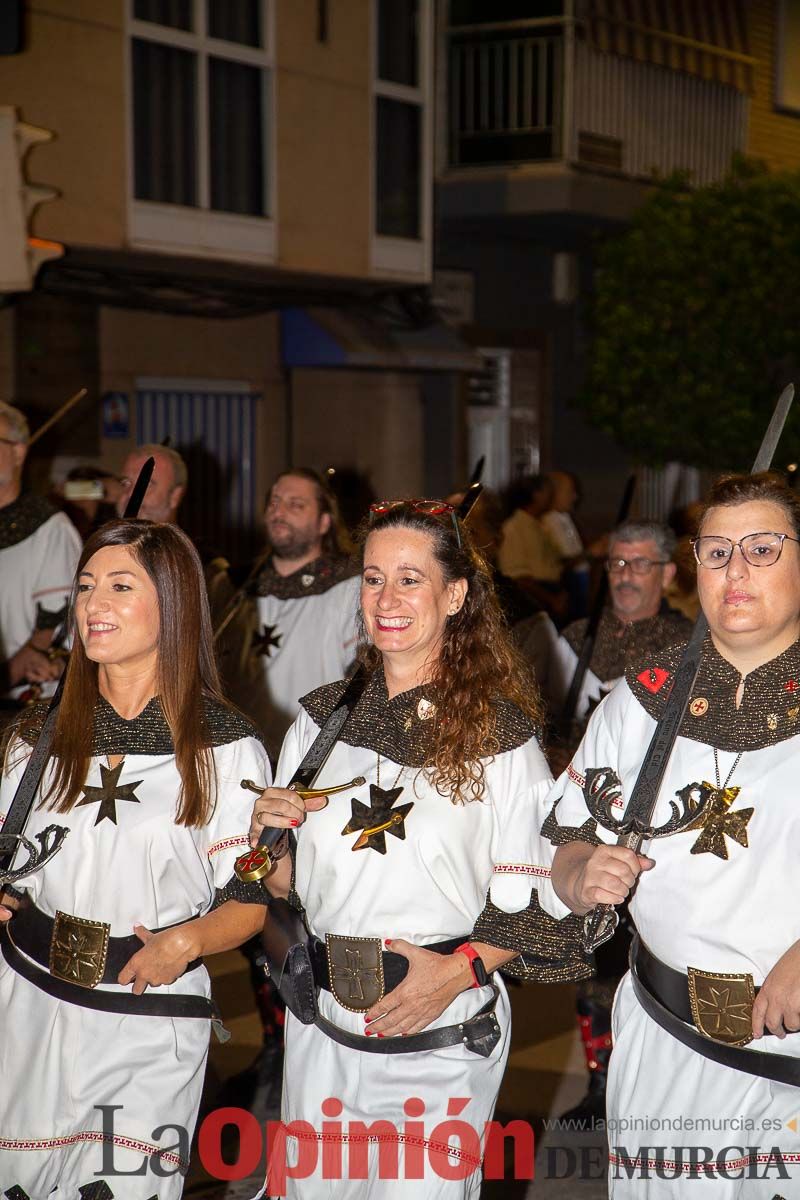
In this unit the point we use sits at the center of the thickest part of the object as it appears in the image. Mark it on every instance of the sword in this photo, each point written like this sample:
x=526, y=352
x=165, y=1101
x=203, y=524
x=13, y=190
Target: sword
x=13, y=830
x=636, y=825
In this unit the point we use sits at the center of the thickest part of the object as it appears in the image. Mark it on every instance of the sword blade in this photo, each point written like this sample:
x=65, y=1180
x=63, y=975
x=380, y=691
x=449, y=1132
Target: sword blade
x=139, y=490
x=763, y=460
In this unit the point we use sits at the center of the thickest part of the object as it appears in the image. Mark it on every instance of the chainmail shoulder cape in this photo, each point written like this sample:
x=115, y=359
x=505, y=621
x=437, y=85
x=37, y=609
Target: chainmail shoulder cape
x=312, y=579
x=769, y=712
x=22, y=517
x=149, y=733
x=400, y=728
x=619, y=643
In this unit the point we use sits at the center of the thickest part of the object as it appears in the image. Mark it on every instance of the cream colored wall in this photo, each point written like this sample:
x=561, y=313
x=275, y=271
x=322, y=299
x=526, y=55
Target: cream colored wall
x=773, y=136
x=323, y=96
x=372, y=421
x=141, y=344
x=70, y=78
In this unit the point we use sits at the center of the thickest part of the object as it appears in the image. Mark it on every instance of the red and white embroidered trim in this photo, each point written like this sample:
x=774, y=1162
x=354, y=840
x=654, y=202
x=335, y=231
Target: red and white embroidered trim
x=522, y=869
x=227, y=843
x=402, y=1139
x=575, y=776
x=635, y=1162
x=95, y=1135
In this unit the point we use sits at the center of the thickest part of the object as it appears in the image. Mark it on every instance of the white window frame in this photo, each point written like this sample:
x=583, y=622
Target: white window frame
x=781, y=58
x=202, y=231
x=394, y=257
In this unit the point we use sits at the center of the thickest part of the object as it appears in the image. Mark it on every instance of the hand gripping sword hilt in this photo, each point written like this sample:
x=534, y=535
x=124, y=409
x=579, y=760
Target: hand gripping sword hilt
x=50, y=841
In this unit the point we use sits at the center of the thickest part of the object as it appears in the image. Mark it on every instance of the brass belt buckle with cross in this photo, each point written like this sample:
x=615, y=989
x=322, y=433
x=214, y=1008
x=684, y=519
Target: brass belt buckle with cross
x=78, y=949
x=355, y=966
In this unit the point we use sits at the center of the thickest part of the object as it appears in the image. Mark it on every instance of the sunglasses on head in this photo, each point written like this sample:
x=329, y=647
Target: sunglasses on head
x=433, y=508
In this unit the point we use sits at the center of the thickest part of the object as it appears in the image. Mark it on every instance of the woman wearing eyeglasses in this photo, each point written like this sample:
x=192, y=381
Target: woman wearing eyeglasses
x=705, y=1027
x=421, y=883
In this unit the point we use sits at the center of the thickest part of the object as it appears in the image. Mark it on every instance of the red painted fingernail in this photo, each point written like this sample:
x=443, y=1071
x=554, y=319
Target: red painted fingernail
x=294, y=823
x=388, y=941
x=367, y=1020
x=381, y=1035
x=369, y=1033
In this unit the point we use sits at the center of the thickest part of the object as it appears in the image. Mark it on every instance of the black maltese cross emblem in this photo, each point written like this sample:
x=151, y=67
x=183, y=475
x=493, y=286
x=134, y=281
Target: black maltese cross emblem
x=264, y=642
x=109, y=793
x=377, y=819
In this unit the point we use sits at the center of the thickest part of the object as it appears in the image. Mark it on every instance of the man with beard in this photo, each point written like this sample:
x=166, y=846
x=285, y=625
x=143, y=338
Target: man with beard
x=306, y=599
x=39, y=549
x=637, y=623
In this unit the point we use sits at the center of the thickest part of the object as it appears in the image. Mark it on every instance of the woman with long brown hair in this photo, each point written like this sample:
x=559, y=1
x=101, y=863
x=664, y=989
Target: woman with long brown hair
x=104, y=1001
x=421, y=883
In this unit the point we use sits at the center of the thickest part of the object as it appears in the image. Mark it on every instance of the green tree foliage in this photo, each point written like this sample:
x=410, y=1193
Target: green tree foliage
x=696, y=321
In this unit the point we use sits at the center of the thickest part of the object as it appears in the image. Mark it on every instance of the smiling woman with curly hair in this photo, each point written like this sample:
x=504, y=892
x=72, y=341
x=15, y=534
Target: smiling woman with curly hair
x=423, y=883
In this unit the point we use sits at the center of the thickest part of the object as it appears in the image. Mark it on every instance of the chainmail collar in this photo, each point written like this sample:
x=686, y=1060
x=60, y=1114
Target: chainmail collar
x=770, y=708
x=619, y=643
x=400, y=728
x=149, y=733
x=312, y=579
x=22, y=517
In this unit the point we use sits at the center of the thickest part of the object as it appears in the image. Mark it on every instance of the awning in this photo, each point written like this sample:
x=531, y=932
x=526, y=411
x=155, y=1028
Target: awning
x=328, y=337
x=706, y=38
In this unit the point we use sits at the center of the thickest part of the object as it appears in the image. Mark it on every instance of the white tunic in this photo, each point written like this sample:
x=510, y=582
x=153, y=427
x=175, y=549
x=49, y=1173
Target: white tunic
x=428, y=887
x=60, y=1062
x=302, y=642
x=592, y=691
x=37, y=571
x=699, y=910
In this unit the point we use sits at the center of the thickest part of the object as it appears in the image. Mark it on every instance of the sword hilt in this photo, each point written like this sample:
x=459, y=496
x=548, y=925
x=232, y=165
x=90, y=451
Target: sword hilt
x=600, y=923
x=309, y=793
x=256, y=864
x=599, y=926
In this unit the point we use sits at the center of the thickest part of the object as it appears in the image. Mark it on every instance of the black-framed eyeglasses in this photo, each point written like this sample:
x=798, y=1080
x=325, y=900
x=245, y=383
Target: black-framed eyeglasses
x=433, y=508
x=758, y=549
x=639, y=566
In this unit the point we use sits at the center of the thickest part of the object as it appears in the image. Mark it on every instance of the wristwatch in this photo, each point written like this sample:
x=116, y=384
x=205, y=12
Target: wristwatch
x=479, y=976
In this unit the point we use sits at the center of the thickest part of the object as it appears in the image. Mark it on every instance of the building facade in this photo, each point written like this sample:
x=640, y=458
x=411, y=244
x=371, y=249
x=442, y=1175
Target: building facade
x=245, y=200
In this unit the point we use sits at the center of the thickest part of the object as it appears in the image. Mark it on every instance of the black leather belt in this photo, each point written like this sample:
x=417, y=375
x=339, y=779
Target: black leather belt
x=479, y=1033
x=148, y=1005
x=664, y=994
x=33, y=935
x=395, y=966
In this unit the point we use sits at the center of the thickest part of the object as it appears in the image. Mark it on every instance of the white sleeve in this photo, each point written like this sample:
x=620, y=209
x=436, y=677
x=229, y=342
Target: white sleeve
x=225, y=837
x=521, y=858
x=348, y=632
x=599, y=748
x=57, y=550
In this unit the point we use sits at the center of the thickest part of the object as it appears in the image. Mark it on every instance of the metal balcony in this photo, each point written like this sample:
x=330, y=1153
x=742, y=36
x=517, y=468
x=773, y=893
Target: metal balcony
x=544, y=91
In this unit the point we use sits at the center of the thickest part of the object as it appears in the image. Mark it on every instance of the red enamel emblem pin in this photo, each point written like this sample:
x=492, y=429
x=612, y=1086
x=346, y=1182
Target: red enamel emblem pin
x=653, y=678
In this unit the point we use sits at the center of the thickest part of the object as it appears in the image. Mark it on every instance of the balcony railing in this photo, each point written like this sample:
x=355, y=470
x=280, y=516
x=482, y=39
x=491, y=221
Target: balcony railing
x=524, y=95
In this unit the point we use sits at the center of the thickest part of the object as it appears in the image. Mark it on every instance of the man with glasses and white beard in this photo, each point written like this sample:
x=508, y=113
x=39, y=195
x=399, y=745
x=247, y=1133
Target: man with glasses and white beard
x=638, y=619
x=637, y=622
